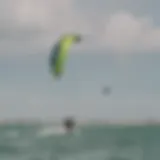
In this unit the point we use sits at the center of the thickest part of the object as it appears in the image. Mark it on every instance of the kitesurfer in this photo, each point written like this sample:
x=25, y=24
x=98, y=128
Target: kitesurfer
x=69, y=124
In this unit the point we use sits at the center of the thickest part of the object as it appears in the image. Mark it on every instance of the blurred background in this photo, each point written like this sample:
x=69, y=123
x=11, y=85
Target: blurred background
x=110, y=84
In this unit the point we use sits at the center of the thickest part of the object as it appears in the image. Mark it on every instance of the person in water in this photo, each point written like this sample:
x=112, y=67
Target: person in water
x=69, y=124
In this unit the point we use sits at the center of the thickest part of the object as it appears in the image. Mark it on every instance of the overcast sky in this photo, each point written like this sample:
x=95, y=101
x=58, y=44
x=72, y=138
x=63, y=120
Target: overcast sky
x=120, y=48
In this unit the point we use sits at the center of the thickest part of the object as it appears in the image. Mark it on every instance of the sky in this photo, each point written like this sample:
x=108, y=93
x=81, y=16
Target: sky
x=120, y=49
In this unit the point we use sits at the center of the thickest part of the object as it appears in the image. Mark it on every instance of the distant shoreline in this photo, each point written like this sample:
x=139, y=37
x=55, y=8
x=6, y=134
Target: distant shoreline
x=83, y=123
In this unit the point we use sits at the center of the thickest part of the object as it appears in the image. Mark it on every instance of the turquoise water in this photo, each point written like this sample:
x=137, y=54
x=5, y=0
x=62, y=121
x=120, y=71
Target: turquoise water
x=43, y=142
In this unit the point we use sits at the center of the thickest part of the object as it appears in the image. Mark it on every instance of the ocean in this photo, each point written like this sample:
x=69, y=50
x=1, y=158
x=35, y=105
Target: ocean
x=89, y=142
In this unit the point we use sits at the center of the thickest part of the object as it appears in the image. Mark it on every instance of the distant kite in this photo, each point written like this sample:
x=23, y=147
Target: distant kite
x=106, y=91
x=59, y=53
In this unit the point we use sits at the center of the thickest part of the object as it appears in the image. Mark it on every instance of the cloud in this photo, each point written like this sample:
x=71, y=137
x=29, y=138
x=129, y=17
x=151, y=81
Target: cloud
x=123, y=32
x=32, y=26
x=127, y=33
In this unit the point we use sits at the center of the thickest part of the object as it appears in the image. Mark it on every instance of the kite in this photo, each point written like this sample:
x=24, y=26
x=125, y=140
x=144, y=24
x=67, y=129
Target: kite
x=59, y=53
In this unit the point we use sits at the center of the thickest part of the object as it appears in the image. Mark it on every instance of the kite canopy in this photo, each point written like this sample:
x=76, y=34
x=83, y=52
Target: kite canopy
x=59, y=53
x=106, y=90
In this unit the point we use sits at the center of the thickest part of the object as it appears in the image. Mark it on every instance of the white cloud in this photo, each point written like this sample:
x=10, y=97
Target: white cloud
x=32, y=26
x=127, y=33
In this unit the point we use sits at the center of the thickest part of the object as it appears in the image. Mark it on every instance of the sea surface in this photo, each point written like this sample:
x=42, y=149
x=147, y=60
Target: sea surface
x=89, y=142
